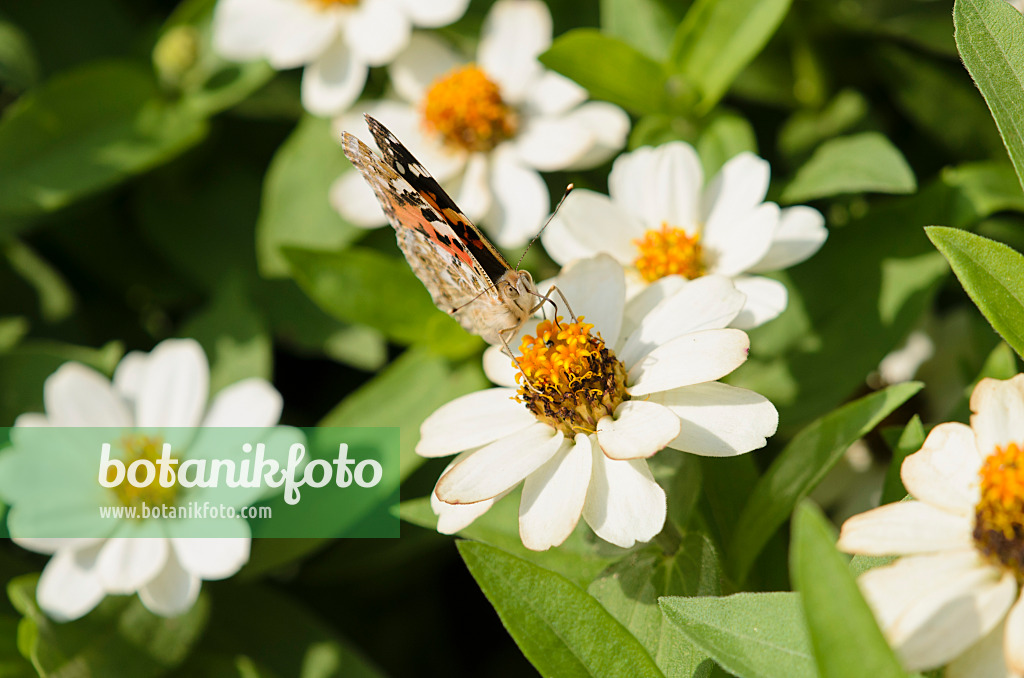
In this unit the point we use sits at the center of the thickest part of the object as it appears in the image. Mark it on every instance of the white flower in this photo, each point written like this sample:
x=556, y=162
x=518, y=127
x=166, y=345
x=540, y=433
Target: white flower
x=484, y=130
x=661, y=220
x=954, y=597
x=165, y=388
x=902, y=364
x=582, y=450
x=1017, y=5
x=336, y=40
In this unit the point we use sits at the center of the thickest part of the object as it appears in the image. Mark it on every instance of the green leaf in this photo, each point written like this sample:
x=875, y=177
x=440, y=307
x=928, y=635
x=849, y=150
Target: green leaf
x=630, y=589
x=990, y=272
x=988, y=37
x=404, y=394
x=19, y=69
x=609, y=69
x=725, y=136
x=562, y=631
x=990, y=187
x=581, y=558
x=56, y=299
x=361, y=285
x=83, y=131
x=234, y=336
x=119, y=638
x=847, y=642
x=806, y=129
x=866, y=162
x=646, y=25
x=802, y=465
x=910, y=441
x=295, y=210
x=755, y=635
x=12, y=330
x=718, y=38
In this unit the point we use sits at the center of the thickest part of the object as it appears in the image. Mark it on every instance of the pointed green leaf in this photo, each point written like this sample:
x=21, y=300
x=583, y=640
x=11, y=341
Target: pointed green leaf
x=645, y=24
x=990, y=272
x=718, y=38
x=846, y=640
x=560, y=628
x=988, y=35
x=860, y=163
x=755, y=635
x=802, y=465
x=910, y=441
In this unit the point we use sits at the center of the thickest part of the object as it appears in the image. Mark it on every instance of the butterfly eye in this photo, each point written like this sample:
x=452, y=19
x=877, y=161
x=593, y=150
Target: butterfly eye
x=510, y=290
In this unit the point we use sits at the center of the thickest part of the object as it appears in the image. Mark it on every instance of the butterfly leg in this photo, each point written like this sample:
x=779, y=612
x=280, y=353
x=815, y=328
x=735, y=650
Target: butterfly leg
x=547, y=298
x=507, y=350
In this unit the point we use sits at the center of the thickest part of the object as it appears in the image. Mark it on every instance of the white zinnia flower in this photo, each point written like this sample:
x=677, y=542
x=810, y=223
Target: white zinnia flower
x=954, y=597
x=165, y=388
x=662, y=220
x=484, y=130
x=336, y=40
x=579, y=442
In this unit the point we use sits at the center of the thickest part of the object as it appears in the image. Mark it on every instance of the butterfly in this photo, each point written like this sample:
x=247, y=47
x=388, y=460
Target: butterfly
x=465, y=274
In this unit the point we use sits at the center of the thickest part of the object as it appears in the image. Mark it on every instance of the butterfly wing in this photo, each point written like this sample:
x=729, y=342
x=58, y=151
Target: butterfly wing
x=438, y=256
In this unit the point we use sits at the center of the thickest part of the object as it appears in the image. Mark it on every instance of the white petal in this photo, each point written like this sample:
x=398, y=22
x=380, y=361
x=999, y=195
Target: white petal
x=177, y=385
x=801, y=233
x=624, y=504
x=213, y=558
x=520, y=203
x=646, y=298
x=907, y=527
x=472, y=421
x=739, y=187
x=434, y=13
x=1015, y=637
x=554, y=93
x=31, y=419
x=694, y=358
x=932, y=608
x=514, y=34
x=639, y=430
x=251, y=402
x=766, y=300
x=333, y=82
x=660, y=185
x=51, y=545
x=609, y=129
x=998, y=418
x=735, y=241
x=355, y=201
x=553, y=496
x=70, y=584
x=76, y=395
x=302, y=35
x=498, y=367
x=131, y=374
x=172, y=592
x=944, y=472
x=472, y=189
x=707, y=303
x=983, y=659
x=128, y=562
x=499, y=466
x=596, y=290
x=588, y=223
x=452, y=518
x=552, y=143
x=718, y=420
x=377, y=30
x=423, y=61
x=242, y=29
x=902, y=364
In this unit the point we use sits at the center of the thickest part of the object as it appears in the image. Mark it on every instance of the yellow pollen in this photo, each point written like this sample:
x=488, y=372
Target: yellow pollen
x=999, y=516
x=669, y=251
x=464, y=107
x=325, y=4
x=138, y=447
x=569, y=379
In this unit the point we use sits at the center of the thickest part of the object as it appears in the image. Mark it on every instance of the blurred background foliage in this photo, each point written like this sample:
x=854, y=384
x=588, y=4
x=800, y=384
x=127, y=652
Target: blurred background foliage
x=187, y=196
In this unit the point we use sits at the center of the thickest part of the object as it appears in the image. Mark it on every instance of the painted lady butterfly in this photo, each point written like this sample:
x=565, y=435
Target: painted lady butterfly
x=465, y=274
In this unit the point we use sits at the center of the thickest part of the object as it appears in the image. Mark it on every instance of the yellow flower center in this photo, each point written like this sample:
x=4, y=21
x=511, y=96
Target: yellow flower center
x=999, y=516
x=146, y=448
x=325, y=4
x=573, y=379
x=669, y=251
x=464, y=107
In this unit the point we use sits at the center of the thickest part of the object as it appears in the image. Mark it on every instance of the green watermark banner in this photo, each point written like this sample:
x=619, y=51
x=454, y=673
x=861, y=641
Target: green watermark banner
x=281, y=481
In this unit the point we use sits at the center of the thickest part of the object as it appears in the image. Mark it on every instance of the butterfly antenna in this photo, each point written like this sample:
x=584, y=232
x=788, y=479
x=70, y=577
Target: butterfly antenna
x=568, y=189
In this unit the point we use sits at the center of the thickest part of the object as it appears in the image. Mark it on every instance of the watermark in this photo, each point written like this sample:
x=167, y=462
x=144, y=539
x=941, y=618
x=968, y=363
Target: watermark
x=201, y=482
